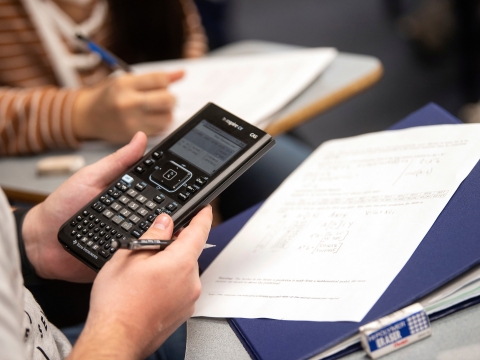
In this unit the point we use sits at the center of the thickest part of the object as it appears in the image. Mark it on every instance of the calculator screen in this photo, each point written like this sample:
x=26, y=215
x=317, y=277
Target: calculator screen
x=207, y=147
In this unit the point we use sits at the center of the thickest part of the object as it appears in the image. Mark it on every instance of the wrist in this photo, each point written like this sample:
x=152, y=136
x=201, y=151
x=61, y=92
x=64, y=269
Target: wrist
x=29, y=234
x=81, y=121
x=106, y=340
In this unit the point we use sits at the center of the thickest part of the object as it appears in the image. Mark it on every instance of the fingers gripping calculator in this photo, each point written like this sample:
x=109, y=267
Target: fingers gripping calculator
x=178, y=177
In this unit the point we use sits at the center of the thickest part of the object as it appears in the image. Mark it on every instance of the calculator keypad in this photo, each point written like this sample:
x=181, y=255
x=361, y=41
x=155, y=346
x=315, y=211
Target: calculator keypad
x=125, y=210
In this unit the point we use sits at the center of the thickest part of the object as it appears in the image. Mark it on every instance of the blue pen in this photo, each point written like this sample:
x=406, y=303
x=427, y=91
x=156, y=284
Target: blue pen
x=106, y=55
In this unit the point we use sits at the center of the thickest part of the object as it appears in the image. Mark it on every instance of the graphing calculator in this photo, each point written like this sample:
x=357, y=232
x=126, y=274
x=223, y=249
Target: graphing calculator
x=178, y=177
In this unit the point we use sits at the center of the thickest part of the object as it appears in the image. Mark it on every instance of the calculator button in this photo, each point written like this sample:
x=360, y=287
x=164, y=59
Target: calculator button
x=160, y=211
x=102, y=224
x=78, y=236
x=85, y=222
x=151, y=205
x=125, y=212
x=124, y=200
x=140, y=187
x=192, y=188
x=91, y=226
x=107, y=237
x=141, y=199
x=118, y=236
x=172, y=207
x=102, y=233
x=151, y=218
x=136, y=233
x=183, y=196
x=97, y=220
x=127, y=178
x=107, y=246
x=84, y=239
x=144, y=225
x=113, y=232
x=134, y=218
x=95, y=247
x=104, y=253
x=140, y=169
x=132, y=193
x=121, y=187
x=170, y=176
x=108, y=228
x=148, y=162
x=101, y=242
x=200, y=181
x=157, y=154
x=85, y=213
x=96, y=238
x=159, y=198
x=79, y=218
x=133, y=206
x=91, y=217
x=90, y=234
x=90, y=243
x=116, y=194
x=126, y=225
x=73, y=232
x=84, y=231
x=112, y=250
x=142, y=212
x=79, y=227
x=117, y=220
x=108, y=214
x=116, y=206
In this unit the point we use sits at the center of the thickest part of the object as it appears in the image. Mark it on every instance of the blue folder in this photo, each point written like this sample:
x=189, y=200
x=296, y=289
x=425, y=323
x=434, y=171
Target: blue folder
x=451, y=247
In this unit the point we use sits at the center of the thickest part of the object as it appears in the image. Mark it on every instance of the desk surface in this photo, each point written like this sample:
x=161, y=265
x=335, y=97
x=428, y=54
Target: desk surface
x=454, y=337
x=348, y=75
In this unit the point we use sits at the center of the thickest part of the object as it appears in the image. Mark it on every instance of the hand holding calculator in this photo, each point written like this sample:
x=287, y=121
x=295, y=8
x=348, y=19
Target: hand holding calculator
x=178, y=177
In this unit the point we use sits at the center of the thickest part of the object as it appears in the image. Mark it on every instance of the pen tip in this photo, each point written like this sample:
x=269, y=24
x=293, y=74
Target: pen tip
x=209, y=246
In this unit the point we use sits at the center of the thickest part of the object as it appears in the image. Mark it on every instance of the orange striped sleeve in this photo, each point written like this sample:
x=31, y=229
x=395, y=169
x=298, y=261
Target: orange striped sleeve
x=36, y=119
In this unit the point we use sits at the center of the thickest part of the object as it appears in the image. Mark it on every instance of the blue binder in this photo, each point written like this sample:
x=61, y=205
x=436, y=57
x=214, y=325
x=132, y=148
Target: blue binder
x=450, y=248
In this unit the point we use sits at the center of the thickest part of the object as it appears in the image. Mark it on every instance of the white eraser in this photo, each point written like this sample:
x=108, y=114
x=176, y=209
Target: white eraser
x=395, y=331
x=54, y=165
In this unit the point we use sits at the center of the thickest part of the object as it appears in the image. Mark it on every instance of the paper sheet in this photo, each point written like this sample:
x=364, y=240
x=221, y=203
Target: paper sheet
x=253, y=87
x=330, y=240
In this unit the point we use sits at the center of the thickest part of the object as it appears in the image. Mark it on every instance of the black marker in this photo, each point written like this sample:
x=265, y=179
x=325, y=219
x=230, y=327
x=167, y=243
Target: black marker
x=145, y=244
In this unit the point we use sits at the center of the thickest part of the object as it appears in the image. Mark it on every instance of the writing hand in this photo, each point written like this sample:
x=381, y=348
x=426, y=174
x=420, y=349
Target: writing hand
x=118, y=107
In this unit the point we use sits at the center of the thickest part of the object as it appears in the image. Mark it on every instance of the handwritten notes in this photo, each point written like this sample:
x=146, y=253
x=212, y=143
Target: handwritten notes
x=330, y=240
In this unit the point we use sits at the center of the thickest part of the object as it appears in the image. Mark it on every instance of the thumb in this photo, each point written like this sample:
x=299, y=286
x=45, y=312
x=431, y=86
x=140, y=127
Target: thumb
x=161, y=229
x=109, y=168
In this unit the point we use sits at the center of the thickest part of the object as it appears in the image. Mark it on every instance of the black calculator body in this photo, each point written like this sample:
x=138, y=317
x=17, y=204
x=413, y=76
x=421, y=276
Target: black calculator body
x=178, y=177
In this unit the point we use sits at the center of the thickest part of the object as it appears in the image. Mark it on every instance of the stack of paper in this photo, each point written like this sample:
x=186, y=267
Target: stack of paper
x=253, y=87
x=331, y=239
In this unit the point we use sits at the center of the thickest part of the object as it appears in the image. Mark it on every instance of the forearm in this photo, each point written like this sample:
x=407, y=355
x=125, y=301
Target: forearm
x=36, y=119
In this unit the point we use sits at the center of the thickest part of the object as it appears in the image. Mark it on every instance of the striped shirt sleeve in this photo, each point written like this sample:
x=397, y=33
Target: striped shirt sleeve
x=36, y=119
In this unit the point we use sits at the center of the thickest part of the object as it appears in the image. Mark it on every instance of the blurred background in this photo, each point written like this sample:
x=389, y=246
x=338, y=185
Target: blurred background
x=428, y=49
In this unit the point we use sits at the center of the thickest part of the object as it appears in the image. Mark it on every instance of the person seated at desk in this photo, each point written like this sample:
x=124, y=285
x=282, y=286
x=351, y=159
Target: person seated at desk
x=54, y=94
x=138, y=298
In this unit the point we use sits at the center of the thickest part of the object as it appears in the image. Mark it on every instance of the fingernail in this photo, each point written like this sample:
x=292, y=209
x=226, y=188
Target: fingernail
x=162, y=222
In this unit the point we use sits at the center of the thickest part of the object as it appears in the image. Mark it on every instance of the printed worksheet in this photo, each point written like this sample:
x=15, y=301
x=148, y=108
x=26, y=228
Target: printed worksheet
x=331, y=239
